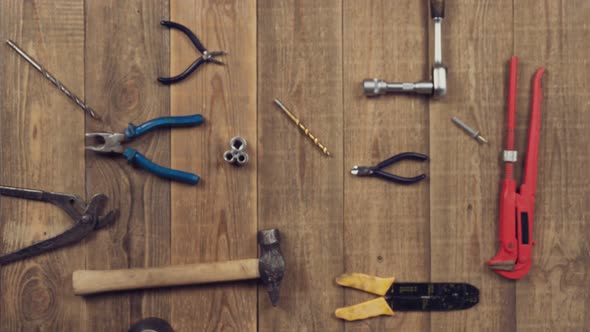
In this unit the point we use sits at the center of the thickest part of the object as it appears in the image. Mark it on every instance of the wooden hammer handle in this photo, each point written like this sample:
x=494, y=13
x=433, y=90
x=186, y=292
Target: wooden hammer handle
x=90, y=282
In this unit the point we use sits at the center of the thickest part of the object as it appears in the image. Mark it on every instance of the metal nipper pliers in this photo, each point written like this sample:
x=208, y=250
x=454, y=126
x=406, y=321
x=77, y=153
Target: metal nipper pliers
x=206, y=57
x=112, y=143
x=378, y=170
x=85, y=215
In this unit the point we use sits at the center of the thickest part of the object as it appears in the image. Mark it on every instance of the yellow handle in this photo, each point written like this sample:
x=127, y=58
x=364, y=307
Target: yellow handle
x=367, y=283
x=372, y=308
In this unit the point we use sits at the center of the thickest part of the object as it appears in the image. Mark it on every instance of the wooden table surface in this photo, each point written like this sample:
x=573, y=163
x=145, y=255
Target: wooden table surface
x=312, y=55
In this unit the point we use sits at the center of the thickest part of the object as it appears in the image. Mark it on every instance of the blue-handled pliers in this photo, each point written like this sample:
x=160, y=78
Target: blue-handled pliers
x=112, y=143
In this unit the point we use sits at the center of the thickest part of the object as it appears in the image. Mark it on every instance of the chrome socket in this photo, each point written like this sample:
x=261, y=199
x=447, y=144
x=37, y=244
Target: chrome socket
x=237, y=155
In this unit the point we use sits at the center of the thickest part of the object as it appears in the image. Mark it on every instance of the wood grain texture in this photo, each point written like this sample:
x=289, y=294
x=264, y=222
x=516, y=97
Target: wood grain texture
x=313, y=55
x=36, y=152
x=554, y=34
x=465, y=182
x=300, y=189
x=386, y=226
x=215, y=220
x=126, y=49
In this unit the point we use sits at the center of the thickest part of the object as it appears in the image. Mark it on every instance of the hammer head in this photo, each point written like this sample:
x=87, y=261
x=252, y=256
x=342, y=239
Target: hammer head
x=271, y=262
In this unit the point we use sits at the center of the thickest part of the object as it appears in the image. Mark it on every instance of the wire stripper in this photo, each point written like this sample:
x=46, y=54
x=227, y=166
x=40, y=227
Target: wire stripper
x=397, y=296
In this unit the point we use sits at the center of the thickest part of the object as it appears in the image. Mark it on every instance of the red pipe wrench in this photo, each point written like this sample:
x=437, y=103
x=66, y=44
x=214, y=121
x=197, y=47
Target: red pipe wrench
x=517, y=208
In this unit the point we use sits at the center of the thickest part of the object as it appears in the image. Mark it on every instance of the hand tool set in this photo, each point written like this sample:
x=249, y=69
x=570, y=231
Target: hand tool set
x=512, y=261
x=378, y=170
x=437, y=86
x=112, y=143
x=517, y=208
x=237, y=154
x=397, y=296
x=472, y=132
x=206, y=56
x=86, y=216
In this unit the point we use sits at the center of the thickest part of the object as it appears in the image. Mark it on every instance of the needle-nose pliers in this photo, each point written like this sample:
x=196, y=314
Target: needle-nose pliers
x=378, y=170
x=112, y=143
x=206, y=57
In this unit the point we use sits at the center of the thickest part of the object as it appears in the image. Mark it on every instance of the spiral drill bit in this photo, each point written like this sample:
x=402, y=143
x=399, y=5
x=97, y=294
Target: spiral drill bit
x=302, y=127
x=53, y=80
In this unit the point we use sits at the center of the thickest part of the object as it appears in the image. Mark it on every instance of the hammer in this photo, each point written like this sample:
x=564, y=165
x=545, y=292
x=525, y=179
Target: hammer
x=270, y=268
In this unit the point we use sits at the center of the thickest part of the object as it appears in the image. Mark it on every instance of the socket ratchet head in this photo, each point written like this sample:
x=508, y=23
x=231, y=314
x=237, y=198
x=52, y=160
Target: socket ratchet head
x=439, y=79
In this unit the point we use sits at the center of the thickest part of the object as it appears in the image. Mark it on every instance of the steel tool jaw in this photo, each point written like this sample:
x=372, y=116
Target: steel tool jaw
x=107, y=142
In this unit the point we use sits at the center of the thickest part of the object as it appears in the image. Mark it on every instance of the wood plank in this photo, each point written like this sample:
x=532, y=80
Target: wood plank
x=37, y=152
x=126, y=49
x=385, y=39
x=215, y=220
x=300, y=189
x=554, y=296
x=465, y=177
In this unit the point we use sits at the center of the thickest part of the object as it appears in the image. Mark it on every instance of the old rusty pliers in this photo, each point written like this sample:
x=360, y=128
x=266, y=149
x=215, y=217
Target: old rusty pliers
x=85, y=215
x=206, y=57
x=378, y=170
x=113, y=143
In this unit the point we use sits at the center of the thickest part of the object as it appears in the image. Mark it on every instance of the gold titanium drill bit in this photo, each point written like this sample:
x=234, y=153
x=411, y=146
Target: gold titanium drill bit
x=472, y=132
x=53, y=80
x=302, y=127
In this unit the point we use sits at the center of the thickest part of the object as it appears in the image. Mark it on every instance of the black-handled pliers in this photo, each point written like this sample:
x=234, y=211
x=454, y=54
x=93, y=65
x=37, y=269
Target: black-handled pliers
x=206, y=57
x=378, y=170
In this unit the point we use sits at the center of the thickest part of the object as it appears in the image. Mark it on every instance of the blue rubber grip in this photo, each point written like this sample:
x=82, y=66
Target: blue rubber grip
x=137, y=159
x=134, y=131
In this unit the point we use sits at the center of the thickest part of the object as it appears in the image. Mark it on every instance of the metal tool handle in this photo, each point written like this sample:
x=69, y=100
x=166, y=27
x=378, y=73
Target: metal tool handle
x=137, y=159
x=134, y=131
x=91, y=282
x=72, y=235
x=437, y=8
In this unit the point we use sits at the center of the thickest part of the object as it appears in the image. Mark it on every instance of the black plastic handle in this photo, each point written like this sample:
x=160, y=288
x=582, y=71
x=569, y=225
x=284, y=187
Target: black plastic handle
x=402, y=156
x=398, y=179
x=184, y=74
x=187, y=32
x=437, y=8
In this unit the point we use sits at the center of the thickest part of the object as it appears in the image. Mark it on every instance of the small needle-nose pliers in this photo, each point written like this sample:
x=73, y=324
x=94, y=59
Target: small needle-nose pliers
x=378, y=170
x=112, y=143
x=206, y=57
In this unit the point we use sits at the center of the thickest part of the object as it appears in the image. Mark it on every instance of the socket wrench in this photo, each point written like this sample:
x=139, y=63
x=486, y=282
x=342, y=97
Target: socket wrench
x=437, y=86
